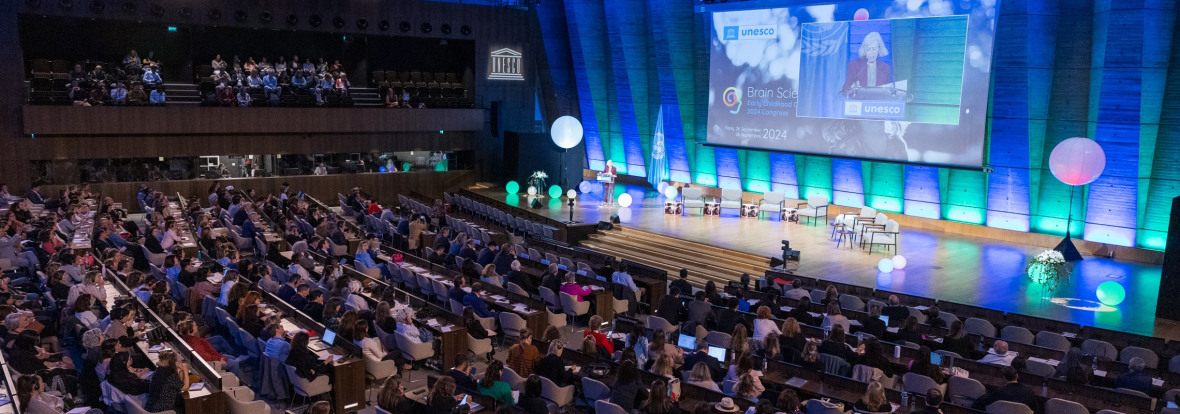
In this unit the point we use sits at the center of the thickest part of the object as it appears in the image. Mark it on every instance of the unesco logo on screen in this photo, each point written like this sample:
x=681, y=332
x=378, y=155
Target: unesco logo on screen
x=750, y=32
x=731, y=33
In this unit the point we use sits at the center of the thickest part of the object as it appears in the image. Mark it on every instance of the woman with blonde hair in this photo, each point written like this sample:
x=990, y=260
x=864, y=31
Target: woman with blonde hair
x=701, y=377
x=393, y=398
x=660, y=346
x=488, y=275
x=809, y=357
x=663, y=366
x=874, y=400
x=748, y=387
x=792, y=339
x=589, y=347
x=740, y=340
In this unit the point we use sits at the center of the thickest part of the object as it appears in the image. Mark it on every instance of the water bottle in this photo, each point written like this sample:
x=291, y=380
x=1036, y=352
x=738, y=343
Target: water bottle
x=905, y=399
x=1093, y=363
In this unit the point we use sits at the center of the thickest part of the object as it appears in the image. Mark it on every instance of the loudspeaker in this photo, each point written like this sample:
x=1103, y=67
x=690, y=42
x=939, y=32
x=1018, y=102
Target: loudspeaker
x=605, y=225
x=494, y=118
x=1168, y=305
x=511, y=155
x=614, y=219
x=536, y=203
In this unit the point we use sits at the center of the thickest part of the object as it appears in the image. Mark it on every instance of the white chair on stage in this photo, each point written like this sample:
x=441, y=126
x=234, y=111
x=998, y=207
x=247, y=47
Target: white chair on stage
x=866, y=214
x=694, y=197
x=731, y=198
x=771, y=202
x=815, y=207
x=885, y=237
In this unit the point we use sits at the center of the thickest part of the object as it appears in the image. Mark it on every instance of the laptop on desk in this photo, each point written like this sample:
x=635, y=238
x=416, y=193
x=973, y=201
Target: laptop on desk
x=325, y=342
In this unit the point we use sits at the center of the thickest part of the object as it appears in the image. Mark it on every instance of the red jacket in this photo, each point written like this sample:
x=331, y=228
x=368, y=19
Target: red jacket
x=203, y=348
x=601, y=340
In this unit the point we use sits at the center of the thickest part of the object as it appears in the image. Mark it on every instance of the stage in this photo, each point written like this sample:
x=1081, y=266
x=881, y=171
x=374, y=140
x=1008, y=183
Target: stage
x=964, y=269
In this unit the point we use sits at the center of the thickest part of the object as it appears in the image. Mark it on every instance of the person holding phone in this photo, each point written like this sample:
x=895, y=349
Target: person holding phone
x=170, y=380
x=442, y=398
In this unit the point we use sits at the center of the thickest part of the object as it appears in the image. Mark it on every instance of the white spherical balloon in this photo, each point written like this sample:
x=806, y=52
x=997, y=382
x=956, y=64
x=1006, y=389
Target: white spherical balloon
x=571, y=194
x=566, y=132
x=1077, y=161
x=585, y=186
x=670, y=192
x=625, y=200
x=885, y=265
x=532, y=190
x=899, y=262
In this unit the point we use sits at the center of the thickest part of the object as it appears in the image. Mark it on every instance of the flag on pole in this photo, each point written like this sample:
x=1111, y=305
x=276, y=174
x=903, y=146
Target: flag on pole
x=656, y=169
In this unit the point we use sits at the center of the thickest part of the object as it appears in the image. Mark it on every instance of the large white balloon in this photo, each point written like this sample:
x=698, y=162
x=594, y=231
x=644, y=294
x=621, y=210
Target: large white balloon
x=1077, y=161
x=885, y=265
x=566, y=132
x=625, y=200
x=899, y=262
x=670, y=192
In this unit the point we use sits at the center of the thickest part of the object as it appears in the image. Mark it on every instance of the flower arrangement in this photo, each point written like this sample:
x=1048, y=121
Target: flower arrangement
x=1047, y=268
x=537, y=180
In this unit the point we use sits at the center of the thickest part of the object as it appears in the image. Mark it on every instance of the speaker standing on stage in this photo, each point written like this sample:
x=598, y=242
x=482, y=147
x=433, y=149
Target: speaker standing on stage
x=608, y=193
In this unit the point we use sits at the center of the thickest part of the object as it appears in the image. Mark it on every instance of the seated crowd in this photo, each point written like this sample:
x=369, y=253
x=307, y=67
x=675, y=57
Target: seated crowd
x=64, y=334
x=248, y=82
x=126, y=83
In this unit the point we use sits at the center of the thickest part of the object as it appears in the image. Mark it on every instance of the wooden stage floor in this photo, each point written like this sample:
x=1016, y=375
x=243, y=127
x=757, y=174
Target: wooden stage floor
x=977, y=271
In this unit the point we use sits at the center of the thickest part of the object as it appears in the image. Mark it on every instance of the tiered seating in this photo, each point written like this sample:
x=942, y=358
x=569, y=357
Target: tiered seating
x=49, y=81
x=1043, y=341
x=515, y=224
x=435, y=89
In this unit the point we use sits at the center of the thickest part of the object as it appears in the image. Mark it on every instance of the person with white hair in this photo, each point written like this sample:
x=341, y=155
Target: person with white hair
x=867, y=70
x=1135, y=378
x=999, y=354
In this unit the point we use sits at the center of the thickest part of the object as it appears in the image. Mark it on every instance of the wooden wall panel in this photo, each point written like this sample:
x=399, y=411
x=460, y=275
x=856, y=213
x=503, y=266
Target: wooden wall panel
x=62, y=148
x=188, y=120
x=385, y=186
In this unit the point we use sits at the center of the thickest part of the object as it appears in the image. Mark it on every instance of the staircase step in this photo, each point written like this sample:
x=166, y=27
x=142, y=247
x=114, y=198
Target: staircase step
x=704, y=262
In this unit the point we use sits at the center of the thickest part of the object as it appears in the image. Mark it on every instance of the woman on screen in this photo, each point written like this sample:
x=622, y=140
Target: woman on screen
x=866, y=71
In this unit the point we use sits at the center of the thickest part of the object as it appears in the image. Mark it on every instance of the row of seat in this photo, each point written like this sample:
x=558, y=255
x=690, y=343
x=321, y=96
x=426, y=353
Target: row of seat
x=516, y=224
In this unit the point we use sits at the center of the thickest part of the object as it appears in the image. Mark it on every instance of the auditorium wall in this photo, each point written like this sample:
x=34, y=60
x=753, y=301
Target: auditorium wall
x=491, y=28
x=1104, y=69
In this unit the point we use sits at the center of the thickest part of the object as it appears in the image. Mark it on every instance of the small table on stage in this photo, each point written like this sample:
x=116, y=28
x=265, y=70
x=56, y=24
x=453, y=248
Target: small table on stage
x=712, y=208
x=749, y=210
x=672, y=207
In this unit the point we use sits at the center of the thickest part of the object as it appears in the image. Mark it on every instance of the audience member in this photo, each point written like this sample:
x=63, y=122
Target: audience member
x=1012, y=391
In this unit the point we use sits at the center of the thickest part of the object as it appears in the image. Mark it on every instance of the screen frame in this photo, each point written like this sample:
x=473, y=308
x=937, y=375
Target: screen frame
x=707, y=11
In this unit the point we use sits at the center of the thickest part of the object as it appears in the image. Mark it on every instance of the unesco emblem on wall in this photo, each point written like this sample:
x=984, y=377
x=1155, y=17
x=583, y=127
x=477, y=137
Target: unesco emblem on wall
x=505, y=64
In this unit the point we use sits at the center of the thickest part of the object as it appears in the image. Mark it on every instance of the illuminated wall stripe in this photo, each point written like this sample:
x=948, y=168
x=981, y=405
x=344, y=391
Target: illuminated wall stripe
x=1062, y=68
x=626, y=31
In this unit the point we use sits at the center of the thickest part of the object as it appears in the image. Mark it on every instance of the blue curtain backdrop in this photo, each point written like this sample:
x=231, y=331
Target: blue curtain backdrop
x=821, y=71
